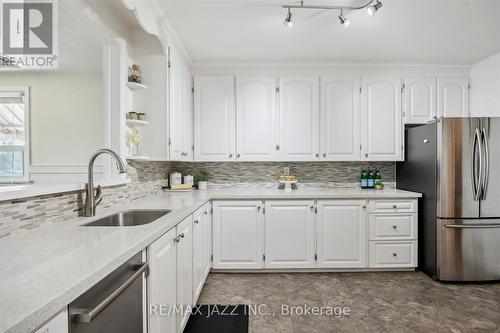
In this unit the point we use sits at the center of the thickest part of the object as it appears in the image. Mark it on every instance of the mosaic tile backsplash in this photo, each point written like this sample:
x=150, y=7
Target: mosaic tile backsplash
x=147, y=178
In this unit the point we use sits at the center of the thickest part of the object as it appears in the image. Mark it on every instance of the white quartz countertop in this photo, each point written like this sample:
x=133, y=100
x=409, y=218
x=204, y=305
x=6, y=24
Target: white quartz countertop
x=43, y=270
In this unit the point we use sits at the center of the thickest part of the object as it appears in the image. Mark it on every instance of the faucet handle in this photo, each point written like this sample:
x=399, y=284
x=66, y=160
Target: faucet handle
x=98, y=195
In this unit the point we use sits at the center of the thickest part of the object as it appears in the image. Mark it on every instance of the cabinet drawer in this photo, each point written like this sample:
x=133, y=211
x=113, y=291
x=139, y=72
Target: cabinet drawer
x=393, y=226
x=393, y=254
x=394, y=206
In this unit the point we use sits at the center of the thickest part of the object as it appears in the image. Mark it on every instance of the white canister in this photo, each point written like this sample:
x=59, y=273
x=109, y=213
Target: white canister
x=175, y=178
x=188, y=179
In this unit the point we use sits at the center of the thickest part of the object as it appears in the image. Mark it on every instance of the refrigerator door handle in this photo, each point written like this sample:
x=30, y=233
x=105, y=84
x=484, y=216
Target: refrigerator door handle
x=477, y=171
x=486, y=151
x=473, y=226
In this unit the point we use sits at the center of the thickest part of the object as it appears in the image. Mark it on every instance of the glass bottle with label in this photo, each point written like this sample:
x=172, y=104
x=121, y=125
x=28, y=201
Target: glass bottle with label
x=364, y=179
x=371, y=179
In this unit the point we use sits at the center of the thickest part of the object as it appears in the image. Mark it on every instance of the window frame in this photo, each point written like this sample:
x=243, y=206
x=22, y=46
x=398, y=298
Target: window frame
x=25, y=178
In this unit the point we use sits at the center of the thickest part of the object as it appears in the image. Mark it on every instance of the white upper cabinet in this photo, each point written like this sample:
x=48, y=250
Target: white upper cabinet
x=420, y=100
x=214, y=119
x=381, y=119
x=289, y=234
x=256, y=118
x=340, y=119
x=299, y=118
x=181, y=109
x=453, y=97
x=485, y=88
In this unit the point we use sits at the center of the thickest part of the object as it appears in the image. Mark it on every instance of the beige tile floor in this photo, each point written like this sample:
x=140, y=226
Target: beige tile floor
x=378, y=302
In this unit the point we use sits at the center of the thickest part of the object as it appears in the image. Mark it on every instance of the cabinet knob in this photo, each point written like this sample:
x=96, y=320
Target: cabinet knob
x=394, y=227
x=238, y=156
x=181, y=235
x=366, y=155
x=364, y=207
x=324, y=155
x=394, y=254
x=317, y=155
x=205, y=212
x=230, y=155
x=177, y=239
x=426, y=140
x=258, y=208
x=394, y=206
x=196, y=221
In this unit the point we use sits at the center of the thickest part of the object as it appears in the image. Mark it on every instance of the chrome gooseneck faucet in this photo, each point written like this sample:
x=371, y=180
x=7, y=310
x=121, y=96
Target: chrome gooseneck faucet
x=92, y=201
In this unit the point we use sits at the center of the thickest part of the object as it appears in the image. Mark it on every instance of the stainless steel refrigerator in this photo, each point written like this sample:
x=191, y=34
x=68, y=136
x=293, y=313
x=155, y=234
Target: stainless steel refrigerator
x=455, y=163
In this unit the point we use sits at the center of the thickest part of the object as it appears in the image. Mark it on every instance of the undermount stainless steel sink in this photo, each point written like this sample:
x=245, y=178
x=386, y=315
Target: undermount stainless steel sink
x=129, y=218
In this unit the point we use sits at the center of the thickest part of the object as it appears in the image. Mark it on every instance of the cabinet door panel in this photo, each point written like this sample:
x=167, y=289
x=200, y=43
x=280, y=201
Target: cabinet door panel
x=180, y=110
x=340, y=119
x=299, y=118
x=382, y=127
x=162, y=287
x=198, y=255
x=184, y=269
x=256, y=118
x=420, y=99
x=214, y=118
x=237, y=235
x=341, y=234
x=289, y=234
x=453, y=97
x=207, y=225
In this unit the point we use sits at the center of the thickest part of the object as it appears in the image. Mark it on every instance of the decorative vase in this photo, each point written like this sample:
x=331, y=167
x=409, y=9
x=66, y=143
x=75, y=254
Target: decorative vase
x=202, y=185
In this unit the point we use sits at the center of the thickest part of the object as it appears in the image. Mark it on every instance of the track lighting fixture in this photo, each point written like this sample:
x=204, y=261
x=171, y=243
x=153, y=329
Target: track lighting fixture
x=343, y=20
x=371, y=5
x=288, y=20
x=373, y=8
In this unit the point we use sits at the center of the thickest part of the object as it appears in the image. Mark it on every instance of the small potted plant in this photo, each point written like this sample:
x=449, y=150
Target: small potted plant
x=378, y=185
x=202, y=178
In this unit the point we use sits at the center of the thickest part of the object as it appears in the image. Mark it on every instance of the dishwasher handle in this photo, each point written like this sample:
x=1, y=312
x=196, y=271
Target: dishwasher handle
x=88, y=316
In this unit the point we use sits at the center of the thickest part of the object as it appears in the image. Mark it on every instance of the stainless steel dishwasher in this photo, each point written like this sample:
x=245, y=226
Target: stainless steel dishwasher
x=115, y=304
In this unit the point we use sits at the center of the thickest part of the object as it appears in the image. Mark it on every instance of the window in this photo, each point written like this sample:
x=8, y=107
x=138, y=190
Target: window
x=14, y=135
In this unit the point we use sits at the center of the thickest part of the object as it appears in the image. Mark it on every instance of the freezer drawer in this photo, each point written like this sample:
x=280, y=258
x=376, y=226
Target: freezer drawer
x=468, y=250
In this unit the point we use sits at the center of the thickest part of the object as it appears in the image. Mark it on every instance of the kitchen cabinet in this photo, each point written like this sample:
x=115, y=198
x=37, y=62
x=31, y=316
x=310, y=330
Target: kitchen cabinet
x=214, y=119
x=162, y=283
x=485, y=87
x=341, y=233
x=289, y=234
x=420, y=100
x=58, y=324
x=340, y=118
x=256, y=118
x=299, y=118
x=381, y=119
x=201, y=249
x=453, y=97
x=180, y=109
x=207, y=223
x=184, y=240
x=237, y=234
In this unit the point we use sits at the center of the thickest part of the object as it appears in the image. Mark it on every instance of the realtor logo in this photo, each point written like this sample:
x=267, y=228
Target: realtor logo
x=29, y=34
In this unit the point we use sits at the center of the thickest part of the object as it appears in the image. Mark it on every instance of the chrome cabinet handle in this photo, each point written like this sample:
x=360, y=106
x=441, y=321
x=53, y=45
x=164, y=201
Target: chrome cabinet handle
x=181, y=235
x=258, y=208
x=477, y=149
x=486, y=174
x=205, y=212
x=177, y=239
x=394, y=254
x=88, y=316
x=196, y=221
x=394, y=227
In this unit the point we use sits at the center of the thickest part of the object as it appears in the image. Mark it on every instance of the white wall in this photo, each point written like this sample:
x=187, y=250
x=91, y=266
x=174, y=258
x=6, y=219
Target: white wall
x=485, y=87
x=67, y=123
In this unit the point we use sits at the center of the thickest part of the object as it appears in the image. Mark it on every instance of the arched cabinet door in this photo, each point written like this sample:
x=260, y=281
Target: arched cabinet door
x=299, y=118
x=340, y=119
x=381, y=119
x=420, y=100
x=453, y=97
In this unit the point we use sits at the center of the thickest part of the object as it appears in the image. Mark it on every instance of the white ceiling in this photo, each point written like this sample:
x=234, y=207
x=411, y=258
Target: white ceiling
x=459, y=32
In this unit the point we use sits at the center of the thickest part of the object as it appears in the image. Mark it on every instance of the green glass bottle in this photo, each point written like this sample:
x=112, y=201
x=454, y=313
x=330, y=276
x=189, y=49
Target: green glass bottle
x=371, y=179
x=364, y=179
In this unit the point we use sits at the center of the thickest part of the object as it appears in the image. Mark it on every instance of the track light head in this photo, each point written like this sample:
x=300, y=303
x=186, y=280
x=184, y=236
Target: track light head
x=288, y=20
x=374, y=8
x=343, y=20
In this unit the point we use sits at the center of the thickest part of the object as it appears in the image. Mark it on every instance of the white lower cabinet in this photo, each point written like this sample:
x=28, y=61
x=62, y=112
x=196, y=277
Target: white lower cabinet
x=162, y=284
x=58, y=324
x=201, y=249
x=342, y=234
x=237, y=234
x=393, y=254
x=289, y=234
x=184, y=239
